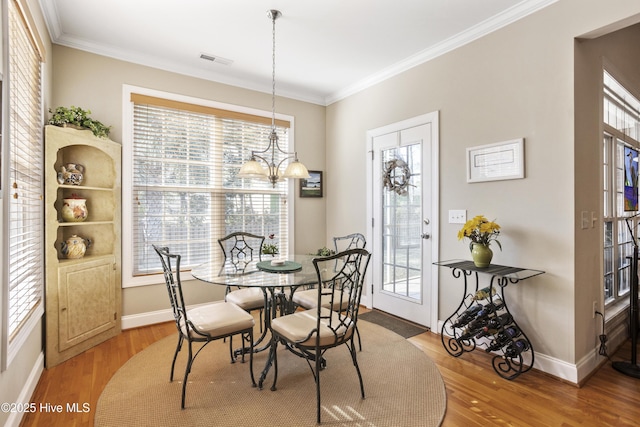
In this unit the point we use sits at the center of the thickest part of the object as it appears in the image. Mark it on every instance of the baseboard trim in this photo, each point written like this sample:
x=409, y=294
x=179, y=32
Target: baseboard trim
x=151, y=317
x=145, y=319
x=27, y=391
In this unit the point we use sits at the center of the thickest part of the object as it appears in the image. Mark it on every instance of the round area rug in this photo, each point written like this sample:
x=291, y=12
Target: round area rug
x=402, y=385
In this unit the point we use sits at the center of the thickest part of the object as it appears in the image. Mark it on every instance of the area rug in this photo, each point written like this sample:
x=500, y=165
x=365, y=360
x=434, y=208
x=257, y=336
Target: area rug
x=399, y=326
x=403, y=388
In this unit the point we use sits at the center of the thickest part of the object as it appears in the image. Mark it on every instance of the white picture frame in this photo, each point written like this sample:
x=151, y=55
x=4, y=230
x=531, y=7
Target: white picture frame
x=494, y=162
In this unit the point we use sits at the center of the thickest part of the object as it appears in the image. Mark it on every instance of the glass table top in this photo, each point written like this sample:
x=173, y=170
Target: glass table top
x=249, y=275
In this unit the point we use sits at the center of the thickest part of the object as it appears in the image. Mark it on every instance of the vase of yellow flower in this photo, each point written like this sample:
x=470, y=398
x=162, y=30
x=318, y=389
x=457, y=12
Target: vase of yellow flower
x=481, y=255
x=481, y=232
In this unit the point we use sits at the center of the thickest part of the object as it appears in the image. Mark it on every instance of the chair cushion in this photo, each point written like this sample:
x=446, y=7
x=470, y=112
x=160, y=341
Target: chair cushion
x=309, y=299
x=246, y=298
x=218, y=319
x=297, y=326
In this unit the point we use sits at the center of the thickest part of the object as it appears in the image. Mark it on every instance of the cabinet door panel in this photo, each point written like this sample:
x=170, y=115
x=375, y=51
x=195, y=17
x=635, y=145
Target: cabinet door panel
x=86, y=301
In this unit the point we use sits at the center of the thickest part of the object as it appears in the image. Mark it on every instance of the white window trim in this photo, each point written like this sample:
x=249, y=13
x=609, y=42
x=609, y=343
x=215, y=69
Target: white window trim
x=128, y=279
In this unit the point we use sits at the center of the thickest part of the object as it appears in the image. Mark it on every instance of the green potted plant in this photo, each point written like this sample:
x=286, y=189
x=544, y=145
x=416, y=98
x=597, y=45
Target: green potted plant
x=76, y=116
x=271, y=248
x=324, y=251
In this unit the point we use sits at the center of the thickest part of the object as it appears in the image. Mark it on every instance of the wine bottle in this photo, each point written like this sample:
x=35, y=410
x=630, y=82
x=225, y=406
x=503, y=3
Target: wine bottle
x=467, y=316
x=470, y=331
x=503, y=338
x=484, y=293
x=500, y=321
x=497, y=303
x=512, y=332
x=478, y=323
x=485, y=332
x=516, y=347
x=500, y=341
x=486, y=310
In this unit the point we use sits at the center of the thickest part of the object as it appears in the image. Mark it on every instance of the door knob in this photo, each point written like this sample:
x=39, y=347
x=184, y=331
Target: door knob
x=426, y=235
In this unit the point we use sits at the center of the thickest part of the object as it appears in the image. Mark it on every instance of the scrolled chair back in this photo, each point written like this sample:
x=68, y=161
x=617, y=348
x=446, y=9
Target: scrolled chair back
x=342, y=277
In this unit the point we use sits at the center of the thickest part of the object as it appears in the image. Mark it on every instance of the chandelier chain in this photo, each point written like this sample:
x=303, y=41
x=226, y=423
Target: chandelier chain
x=273, y=72
x=252, y=169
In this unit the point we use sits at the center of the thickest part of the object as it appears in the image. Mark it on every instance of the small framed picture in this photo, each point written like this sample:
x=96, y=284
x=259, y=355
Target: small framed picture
x=492, y=162
x=312, y=186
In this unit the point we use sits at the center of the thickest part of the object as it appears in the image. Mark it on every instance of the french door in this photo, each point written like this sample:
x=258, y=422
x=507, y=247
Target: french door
x=403, y=196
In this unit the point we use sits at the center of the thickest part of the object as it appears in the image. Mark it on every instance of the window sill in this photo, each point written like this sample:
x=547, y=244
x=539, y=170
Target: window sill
x=614, y=310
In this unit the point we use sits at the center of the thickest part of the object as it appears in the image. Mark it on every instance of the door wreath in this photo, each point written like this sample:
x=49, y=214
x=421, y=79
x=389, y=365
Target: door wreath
x=396, y=176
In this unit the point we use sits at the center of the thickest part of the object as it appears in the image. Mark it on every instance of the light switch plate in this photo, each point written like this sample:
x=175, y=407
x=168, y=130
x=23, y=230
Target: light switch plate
x=457, y=216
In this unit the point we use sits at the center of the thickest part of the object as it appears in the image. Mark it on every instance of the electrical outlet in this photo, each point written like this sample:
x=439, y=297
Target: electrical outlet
x=595, y=308
x=584, y=224
x=457, y=216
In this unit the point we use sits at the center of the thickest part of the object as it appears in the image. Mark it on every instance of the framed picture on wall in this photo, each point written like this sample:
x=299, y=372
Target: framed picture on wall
x=493, y=162
x=312, y=186
x=630, y=179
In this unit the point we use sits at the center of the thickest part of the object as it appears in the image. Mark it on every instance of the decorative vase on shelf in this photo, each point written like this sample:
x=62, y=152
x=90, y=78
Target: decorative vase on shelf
x=75, y=247
x=74, y=210
x=481, y=254
x=71, y=174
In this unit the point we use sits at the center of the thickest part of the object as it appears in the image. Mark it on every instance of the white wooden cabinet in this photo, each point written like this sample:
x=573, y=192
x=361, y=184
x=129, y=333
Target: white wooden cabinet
x=83, y=296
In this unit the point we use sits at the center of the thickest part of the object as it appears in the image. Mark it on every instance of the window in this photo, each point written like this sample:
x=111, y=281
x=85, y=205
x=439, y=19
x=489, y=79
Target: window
x=182, y=183
x=622, y=126
x=23, y=183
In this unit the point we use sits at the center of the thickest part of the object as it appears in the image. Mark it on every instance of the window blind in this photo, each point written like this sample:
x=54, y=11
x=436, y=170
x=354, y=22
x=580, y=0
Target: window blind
x=185, y=188
x=24, y=244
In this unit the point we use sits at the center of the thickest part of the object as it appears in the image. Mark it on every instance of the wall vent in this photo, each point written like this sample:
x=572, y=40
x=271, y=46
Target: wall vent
x=216, y=59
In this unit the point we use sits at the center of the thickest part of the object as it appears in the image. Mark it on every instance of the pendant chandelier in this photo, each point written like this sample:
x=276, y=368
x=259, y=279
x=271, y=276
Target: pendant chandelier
x=271, y=170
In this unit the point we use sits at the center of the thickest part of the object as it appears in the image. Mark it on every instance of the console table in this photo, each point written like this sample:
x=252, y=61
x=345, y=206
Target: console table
x=483, y=319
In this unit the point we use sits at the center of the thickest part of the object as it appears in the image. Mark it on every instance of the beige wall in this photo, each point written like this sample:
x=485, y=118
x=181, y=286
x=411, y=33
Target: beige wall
x=516, y=82
x=95, y=82
x=618, y=53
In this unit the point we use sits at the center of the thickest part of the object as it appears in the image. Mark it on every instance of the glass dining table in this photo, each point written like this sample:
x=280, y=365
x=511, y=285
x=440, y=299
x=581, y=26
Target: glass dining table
x=278, y=281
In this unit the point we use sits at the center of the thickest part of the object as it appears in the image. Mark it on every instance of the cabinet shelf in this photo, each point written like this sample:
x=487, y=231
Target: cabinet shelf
x=84, y=187
x=83, y=223
x=86, y=258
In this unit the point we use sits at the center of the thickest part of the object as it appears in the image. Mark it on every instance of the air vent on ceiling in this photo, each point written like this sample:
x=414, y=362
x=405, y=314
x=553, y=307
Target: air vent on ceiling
x=216, y=59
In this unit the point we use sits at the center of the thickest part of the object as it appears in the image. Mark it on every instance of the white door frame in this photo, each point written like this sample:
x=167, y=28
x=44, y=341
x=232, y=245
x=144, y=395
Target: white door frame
x=433, y=120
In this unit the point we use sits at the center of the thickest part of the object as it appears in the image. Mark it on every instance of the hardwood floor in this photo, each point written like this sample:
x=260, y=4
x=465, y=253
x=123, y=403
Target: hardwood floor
x=476, y=396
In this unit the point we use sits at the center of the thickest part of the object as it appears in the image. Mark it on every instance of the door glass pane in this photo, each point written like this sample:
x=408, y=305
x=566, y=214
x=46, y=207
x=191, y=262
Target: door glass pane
x=402, y=221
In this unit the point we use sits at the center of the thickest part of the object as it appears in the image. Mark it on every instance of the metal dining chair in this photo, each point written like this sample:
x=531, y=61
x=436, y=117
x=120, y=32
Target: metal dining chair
x=241, y=249
x=350, y=241
x=312, y=332
x=307, y=298
x=203, y=324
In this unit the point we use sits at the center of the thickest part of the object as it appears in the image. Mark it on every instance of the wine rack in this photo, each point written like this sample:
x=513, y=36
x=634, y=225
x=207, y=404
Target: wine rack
x=483, y=320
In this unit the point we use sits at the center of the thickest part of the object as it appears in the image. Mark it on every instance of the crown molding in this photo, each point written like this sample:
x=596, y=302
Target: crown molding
x=496, y=22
